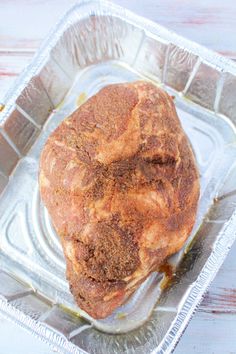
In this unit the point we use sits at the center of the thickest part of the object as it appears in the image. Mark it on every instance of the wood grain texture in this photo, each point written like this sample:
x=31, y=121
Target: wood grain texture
x=23, y=25
x=212, y=329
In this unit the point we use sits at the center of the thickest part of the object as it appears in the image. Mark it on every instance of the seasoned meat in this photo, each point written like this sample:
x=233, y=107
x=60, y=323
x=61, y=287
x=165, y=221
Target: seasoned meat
x=119, y=180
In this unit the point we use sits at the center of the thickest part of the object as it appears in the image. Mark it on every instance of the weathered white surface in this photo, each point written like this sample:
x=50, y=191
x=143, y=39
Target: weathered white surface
x=15, y=340
x=23, y=24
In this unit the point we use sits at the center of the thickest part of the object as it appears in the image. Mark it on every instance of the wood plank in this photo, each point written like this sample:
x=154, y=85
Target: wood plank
x=208, y=22
x=213, y=327
x=221, y=297
x=23, y=25
x=11, y=65
x=209, y=334
x=198, y=20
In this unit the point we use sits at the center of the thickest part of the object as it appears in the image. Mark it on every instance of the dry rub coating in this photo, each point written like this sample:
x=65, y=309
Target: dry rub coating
x=119, y=180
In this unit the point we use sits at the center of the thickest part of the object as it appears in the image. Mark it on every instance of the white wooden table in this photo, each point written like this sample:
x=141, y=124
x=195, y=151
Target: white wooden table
x=23, y=24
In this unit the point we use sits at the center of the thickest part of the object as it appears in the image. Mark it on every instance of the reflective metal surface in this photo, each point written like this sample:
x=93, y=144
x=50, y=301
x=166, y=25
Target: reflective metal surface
x=96, y=44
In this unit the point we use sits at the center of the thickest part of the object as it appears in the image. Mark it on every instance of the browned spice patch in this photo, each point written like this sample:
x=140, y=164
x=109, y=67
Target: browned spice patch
x=120, y=182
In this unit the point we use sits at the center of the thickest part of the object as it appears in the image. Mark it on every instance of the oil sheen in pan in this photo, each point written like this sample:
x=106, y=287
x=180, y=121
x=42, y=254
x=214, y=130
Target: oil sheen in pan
x=129, y=316
x=140, y=305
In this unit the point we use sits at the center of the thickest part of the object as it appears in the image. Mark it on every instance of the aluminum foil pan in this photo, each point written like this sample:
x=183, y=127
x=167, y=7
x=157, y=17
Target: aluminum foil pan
x=95, y=44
